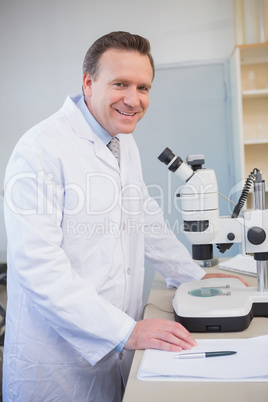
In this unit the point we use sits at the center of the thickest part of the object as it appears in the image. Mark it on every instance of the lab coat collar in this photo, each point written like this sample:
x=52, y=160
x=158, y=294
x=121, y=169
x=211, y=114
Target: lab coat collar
x=76, y=119
x=83, y=130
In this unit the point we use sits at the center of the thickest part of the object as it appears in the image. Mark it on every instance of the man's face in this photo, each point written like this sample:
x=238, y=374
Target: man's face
x=119, y=97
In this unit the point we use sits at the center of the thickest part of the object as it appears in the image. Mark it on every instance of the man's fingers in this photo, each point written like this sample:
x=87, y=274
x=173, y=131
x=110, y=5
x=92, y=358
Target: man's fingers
x=180, y=332
x=159, y=334
x=162, y=345
x=176, y=338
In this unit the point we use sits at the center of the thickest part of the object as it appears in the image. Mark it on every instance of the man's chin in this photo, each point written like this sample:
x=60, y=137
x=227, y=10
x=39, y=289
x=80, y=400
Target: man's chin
x=125, y=130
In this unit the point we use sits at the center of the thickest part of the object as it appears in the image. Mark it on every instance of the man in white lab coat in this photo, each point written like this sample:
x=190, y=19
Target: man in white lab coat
x=79, y=224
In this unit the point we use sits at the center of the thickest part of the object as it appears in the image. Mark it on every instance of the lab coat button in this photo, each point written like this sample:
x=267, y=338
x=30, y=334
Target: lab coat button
x=124, y=226
x=128, y=271
x=121, y=355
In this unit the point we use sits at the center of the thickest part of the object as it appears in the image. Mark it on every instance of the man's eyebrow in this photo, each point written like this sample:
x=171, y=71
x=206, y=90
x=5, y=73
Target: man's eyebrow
x=148, y=85
x=126, y=81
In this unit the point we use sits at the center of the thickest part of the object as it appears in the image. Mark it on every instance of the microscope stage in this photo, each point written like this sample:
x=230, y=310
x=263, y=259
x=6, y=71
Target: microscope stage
x=218, y=305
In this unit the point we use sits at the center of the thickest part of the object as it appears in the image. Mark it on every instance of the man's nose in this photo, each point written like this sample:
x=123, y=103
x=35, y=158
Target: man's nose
x=132, y=97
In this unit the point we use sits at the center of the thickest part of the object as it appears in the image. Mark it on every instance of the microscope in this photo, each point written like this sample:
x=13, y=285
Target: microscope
x=219, y=304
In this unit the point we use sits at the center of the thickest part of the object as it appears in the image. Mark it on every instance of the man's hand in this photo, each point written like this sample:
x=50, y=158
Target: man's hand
x=159, y=334
x=208, y=276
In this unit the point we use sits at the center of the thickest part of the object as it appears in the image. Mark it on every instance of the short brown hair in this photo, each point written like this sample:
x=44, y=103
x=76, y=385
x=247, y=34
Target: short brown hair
x=115, y=40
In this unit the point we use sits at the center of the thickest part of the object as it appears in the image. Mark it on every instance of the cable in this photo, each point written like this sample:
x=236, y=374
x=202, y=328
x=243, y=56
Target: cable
x=244, y=193
x=226, y=198
x=242, y=199
x=251, y=178
x=156, y=307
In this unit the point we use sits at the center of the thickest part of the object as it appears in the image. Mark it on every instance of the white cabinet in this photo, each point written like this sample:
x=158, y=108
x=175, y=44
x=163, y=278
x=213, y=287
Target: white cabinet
x=251, y=70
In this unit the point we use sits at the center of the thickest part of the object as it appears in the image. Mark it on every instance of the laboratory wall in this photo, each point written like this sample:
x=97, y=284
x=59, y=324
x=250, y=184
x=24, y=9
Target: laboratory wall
x=43, y=44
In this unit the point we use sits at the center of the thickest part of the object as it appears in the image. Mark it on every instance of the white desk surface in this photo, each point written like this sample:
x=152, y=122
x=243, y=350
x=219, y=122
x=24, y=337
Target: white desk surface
x=152, y=391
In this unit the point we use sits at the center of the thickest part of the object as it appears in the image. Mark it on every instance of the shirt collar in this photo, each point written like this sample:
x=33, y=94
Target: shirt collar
x=96, y=127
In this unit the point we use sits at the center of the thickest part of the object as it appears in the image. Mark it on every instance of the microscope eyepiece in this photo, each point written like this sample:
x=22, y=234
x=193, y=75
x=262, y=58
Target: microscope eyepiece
x=166, y=156
x=175, y=164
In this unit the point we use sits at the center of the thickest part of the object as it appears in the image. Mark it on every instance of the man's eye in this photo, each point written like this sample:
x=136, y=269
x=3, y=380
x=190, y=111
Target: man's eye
x=119, y=84
x=144, y=89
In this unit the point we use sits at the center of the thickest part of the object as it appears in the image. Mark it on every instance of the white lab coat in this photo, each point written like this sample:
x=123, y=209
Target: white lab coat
x=78, y=229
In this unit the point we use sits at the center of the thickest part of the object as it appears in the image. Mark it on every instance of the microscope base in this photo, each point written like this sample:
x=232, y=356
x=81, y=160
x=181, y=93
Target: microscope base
x=218, y=305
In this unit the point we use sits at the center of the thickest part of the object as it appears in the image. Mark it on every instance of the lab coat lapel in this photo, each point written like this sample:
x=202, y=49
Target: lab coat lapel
x=83, y=130
x=124, y=157
x=104, y=153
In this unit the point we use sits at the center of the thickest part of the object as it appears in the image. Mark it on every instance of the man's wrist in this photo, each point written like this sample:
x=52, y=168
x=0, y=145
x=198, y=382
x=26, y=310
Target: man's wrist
x=121, y=345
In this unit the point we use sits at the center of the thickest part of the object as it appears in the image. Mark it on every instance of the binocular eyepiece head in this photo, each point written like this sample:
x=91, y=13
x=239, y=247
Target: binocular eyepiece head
x=170, y=159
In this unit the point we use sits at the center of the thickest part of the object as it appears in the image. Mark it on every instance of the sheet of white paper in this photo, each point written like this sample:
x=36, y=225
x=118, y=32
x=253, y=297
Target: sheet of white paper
x=250, y=363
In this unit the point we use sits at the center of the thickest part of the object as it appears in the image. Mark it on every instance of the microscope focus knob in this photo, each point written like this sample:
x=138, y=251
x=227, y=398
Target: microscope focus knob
x=256, y=235
x=231, y=236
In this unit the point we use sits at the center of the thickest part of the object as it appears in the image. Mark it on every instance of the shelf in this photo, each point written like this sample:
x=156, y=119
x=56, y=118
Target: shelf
x=254, y=53
x=250, y=68
x=255, y=142
x=256, y=157
x=253, y=45
x=255, y=93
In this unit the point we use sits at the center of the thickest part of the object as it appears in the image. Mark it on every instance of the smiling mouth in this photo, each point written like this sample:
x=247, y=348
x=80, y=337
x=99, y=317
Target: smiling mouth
x=125, y=113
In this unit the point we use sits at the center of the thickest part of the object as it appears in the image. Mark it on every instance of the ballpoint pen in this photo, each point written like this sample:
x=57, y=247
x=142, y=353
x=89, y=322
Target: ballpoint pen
x=204, y=354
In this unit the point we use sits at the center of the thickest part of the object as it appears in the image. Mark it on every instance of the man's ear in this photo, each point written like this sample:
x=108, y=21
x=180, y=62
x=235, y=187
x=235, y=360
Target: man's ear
x=87, y=84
